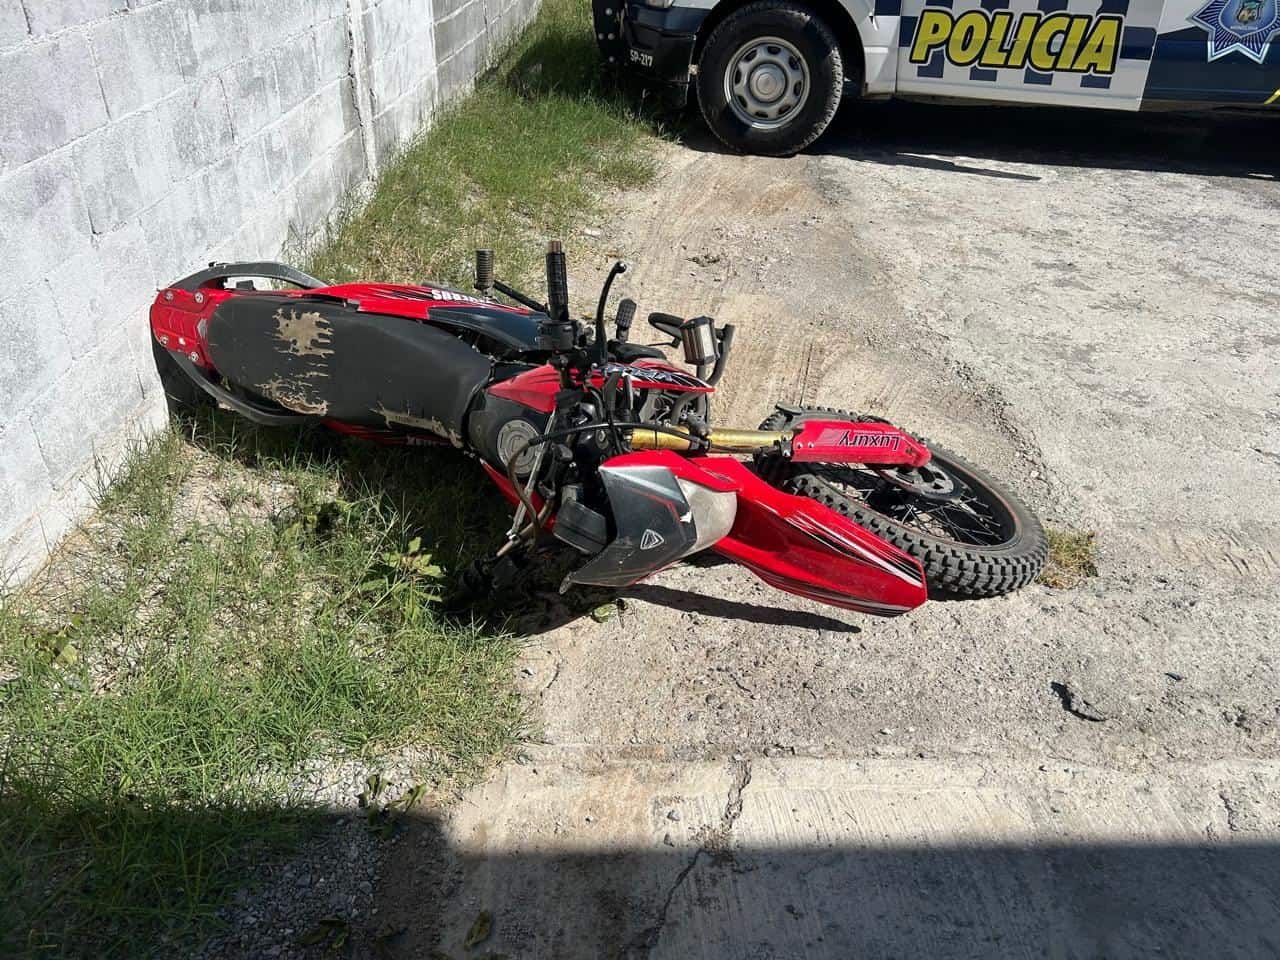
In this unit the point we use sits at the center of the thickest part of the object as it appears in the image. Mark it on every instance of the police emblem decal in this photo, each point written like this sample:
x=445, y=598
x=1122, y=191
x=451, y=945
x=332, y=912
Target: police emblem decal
x=1246, y=26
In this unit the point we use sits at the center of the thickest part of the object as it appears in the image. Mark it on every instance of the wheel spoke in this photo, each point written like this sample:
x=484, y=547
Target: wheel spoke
x=962, y=514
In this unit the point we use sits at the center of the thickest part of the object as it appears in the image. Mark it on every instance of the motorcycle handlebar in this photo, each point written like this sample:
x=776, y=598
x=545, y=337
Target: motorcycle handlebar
x=557, y=283
x=667, y=323
x=726, y=344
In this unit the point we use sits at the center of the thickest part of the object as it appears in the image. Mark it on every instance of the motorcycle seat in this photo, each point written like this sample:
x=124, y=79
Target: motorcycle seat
x=324, y=358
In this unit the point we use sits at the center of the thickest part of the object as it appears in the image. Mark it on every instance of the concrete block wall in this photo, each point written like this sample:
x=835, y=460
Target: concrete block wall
x=140, y=139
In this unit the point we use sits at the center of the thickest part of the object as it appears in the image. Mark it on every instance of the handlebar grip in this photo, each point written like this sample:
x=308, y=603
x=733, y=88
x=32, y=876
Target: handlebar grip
x=484, y=270
x=626, y=314
x=667, y=323
x=557, y=283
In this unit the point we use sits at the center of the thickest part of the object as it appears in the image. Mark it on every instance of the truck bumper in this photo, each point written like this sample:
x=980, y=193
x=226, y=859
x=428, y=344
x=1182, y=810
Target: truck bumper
x=656, y=46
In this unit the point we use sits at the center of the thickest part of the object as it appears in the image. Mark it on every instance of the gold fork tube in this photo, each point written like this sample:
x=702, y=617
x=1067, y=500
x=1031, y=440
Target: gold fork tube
x=738, y=441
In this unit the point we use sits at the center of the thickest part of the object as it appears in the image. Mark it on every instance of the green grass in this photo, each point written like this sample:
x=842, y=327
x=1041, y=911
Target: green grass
x=1073, y=558
x=246, y=603
x=241, y=604
x=521, y=160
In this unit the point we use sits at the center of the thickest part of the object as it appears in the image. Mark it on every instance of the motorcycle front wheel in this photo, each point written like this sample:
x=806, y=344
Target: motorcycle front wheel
x=973, y=537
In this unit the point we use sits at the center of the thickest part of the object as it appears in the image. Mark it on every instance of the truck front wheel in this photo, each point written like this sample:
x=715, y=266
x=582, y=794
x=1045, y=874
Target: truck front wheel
x=770, y=78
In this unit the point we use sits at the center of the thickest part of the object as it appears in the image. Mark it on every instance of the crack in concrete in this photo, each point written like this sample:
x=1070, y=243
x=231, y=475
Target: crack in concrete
x=1233, y=824
x=733, y=808
x=642, y=943
x=715, y=844
x=554, y=677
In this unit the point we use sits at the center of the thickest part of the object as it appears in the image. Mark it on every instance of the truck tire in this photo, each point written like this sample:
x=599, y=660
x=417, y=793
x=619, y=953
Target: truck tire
x=770, y=78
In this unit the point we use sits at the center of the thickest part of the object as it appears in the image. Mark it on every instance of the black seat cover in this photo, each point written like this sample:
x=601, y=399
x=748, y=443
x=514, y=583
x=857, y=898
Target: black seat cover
x=323, y=358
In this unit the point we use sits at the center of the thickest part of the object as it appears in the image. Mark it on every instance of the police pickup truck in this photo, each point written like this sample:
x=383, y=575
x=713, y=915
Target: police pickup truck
x=769, y=74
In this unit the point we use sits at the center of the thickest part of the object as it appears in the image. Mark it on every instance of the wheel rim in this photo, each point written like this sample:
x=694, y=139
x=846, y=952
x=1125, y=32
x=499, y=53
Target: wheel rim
x=939, y=499
x=766, y=83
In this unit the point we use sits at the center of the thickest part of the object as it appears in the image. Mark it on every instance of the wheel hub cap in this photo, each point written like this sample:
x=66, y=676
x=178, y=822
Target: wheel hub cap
x=766, y=83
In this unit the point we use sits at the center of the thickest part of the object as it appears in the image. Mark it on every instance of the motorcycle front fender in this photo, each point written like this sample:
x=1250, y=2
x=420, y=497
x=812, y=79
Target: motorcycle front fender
x=793, y=543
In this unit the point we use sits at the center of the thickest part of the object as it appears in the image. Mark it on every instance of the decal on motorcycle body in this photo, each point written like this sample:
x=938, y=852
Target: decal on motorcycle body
x=850, y=439
x=820, y=441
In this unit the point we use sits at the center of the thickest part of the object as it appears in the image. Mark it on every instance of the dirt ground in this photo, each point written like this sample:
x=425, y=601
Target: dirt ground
x=1085, y=304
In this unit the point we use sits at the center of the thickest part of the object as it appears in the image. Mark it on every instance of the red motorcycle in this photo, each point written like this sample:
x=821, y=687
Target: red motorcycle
x=598, y=442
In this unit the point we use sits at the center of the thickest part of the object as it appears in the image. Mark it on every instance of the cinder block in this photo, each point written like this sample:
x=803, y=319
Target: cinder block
x=95, y=291
x=52, y=97
x=350, y=114
x=333, y=49
x=275, y=149
x=196, y=126
x=33, y=351
x=332, y=112
x=87, y=405
x=348, y=167
x=49, y=16
x=239, y=137
x=253, y=176
x=244, y=244
x=179, y=233
x=312, y=127
x=394, y=23
x=13, y=24
x=42, y=220
x=137, y=330
x=276, y=240
x=296, y=70
x=253, y=98
x=391, y=76
x=318, y=194
x=125, y=265
x=143, y=57
x=443, y=9
x=24, y=482
x=280, y=19
x=400, y=123
x=460, y=30
x=84, y=311
x=123, y=169
x=220, y=202
x=219, y=33
x=458, y=73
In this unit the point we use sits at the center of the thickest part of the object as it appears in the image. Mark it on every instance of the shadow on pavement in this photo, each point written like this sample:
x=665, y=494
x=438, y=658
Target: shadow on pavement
x=710, y=606
x=958, y=137
x=703, y=898
x=816, y=901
